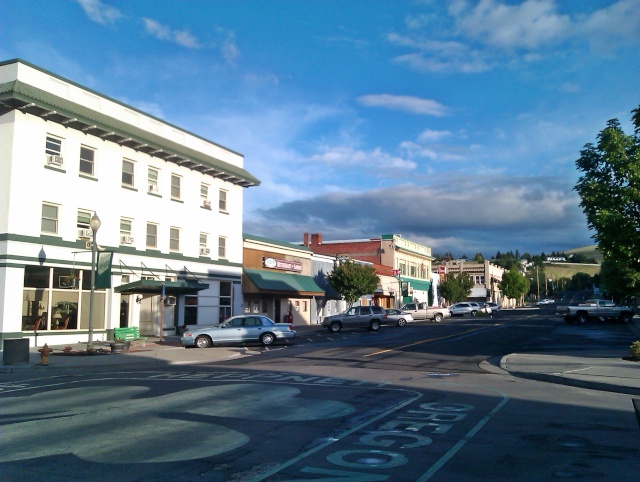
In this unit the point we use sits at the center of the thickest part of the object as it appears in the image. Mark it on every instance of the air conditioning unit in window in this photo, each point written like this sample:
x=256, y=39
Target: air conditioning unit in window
x=170, y=301
x=85, y=233
x=126, y=239
x=54, y=160
x=206, y=204
x=153, y=188
x=204, y=251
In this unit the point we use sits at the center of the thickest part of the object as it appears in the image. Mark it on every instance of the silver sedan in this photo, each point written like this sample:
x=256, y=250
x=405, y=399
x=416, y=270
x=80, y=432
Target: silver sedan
x=398, y=317
x=239, y=329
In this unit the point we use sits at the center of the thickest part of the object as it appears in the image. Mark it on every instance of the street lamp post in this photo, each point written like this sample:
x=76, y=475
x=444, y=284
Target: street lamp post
x=95, y=225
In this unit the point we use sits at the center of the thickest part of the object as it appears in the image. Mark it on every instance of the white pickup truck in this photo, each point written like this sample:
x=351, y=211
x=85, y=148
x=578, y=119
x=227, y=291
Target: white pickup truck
x=420, y=311
x=595, y=309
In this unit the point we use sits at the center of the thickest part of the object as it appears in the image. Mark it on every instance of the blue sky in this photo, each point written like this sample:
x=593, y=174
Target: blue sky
x=456, y=124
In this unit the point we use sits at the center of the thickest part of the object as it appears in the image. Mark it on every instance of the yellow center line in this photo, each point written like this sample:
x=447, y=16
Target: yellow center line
x=423, y=341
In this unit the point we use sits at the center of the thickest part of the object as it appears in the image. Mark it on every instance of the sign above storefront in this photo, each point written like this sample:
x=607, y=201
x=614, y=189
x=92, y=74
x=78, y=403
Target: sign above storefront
x=281, y=264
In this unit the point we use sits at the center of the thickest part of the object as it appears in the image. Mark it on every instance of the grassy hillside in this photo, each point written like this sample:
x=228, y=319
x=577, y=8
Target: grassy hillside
x=567, y=270
x=591, y=251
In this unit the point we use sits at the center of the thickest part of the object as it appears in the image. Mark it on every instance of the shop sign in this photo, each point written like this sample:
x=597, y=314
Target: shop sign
x=281, y=264
x=442, y=269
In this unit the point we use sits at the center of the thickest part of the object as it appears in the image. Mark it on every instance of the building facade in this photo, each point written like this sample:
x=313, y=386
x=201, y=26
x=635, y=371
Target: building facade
x=169, y=203
x=485, y=275
x=396, y=260
x=279, y=281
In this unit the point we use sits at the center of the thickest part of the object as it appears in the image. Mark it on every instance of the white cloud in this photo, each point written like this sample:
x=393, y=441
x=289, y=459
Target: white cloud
x=162, y=32
x=529, y=24
x=230, y=50
x=429, y=135
x=99, y=12
x=376, y=160
x=616, y=23
x=414, y=105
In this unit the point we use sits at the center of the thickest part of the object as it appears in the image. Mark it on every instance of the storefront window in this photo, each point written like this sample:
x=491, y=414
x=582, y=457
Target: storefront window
x=190, y=310
x=35, y=310
x=53, y=298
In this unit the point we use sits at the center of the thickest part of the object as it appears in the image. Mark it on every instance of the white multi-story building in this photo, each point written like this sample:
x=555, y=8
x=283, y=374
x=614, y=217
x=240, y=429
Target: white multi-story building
x=170, y=205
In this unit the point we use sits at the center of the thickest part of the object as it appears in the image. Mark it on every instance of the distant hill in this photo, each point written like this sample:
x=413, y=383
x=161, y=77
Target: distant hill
x=567, y=270
x=591, y=251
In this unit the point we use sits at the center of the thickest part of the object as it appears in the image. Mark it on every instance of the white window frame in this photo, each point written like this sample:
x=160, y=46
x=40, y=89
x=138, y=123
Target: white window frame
x=176, y=186
x=153, y=235
x=222, y=247
x=222, y=200
x=126, y=162
x=91, y=162
x=153, y=177
x=174, y=239
x=55, y=220
x=50, y=144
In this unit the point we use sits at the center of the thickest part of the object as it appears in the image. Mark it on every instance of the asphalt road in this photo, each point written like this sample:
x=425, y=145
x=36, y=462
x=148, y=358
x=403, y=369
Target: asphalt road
x=423, y=402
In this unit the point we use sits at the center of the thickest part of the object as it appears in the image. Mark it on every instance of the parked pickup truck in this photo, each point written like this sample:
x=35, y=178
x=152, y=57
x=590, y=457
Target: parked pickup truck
x=595, y=309
x=420, y=311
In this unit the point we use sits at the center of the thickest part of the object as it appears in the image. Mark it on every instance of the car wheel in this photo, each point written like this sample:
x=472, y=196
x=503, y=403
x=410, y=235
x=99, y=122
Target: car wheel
x=402, y=322
x=335, y=327
x=582, y=318
x=438, y=317
x=267, y=339
x=203, y=341
x=474, y=313
x=626, y=317
x=374, y=325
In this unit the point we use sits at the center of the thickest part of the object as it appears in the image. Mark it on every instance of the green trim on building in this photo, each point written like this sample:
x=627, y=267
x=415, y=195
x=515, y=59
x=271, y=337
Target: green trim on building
x=417, y=284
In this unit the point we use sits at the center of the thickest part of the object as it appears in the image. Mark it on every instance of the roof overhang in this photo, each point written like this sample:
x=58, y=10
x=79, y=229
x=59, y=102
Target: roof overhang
x=154, y=287
x=283, y=283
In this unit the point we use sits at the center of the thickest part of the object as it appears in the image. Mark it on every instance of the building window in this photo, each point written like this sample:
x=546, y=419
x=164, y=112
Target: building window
x=53, y=146
x=190, y=310
x=128, y=169
x=175, y=186
x=403, y=268
x=84, y=219
x=222, y=247
x=87, y=156
x=204, y=196
x=174, y=239
x=125, y=231
x=225, y=300
x=222, y=200
x=152, y=235
x=152, y=178
x=49, y=223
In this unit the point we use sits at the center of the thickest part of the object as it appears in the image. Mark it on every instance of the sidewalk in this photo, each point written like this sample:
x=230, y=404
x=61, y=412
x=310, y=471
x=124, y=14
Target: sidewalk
x=598, y=369
x=154, y=353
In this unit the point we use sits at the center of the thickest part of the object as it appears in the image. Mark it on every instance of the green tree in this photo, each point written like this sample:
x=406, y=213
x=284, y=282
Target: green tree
x=478, y=258
x=514, y=284
x=352, y=280
x=617, y=280
x=456, y=287
x=610, y=191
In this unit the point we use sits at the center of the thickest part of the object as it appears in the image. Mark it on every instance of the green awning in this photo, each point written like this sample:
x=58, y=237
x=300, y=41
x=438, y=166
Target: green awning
x=285, y=283
x=417, y=284
x=154, y=287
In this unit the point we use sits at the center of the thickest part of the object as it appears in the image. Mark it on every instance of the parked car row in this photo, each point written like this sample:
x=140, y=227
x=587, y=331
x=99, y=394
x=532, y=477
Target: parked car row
x=258, y=328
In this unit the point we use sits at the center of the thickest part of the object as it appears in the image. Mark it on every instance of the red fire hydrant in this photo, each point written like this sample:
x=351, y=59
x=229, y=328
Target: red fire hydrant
x=44, y=354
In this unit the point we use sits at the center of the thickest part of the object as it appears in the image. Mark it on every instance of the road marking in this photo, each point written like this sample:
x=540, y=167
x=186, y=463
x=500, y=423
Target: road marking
x=462, y=442
x=419, y=342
